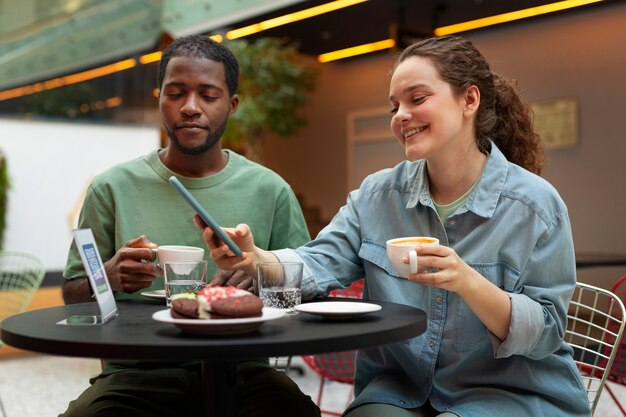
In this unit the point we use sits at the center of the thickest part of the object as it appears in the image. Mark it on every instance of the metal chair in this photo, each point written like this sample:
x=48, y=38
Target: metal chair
x=21, y=275
x=283, y=363
x=336, y=366
x=594, y=329
x=617, y=374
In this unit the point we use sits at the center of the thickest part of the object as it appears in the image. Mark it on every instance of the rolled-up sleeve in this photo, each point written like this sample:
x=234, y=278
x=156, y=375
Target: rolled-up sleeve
x=541, y=298
x=523, y=330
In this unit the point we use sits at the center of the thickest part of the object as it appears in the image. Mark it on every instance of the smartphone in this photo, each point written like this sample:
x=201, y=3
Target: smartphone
x=204, y=215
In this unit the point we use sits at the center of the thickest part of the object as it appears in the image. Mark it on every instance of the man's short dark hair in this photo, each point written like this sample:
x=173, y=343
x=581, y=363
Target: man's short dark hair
x=201, y=46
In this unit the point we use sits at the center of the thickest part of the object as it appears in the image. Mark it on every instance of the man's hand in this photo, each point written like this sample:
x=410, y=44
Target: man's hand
x=135, y=257
x=132, y=267
x=141, y=242
x=236, y=278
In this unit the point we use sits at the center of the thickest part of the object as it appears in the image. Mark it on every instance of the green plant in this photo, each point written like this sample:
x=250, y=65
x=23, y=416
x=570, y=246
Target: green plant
x=275, y=83
x=4, y=198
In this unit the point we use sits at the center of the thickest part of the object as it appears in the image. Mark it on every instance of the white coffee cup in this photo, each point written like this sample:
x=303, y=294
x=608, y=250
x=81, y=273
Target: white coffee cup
x=176, y=253
x=400, y=247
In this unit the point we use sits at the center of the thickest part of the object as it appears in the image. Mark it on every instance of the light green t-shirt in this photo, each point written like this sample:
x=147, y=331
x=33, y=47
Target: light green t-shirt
x=445, y=210
x=135, y=198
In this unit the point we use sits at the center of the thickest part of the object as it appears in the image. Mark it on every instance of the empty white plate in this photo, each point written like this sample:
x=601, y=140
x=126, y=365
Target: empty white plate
x=338, y=309
x=159, y=294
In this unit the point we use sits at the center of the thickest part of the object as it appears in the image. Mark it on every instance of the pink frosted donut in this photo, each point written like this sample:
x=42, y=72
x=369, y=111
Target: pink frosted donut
x=223, y=302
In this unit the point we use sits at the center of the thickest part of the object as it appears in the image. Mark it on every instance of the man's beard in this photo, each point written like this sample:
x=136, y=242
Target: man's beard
x=211, y=139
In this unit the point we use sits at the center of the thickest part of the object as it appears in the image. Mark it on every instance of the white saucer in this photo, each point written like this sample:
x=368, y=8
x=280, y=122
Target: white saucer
x=338, y=309
x=224, y=327
x=159, y=294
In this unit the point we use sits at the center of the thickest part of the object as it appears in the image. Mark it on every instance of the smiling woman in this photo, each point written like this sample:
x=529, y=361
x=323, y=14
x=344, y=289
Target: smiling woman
x=495, y=294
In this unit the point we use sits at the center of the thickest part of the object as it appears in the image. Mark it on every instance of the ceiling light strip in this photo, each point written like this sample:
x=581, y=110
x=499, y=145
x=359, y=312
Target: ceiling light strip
x=460, y=27
x=98, y=72
x=151, y=57
x=290, y=18
x=356, y=50
x=68, y=79
x=508, y=17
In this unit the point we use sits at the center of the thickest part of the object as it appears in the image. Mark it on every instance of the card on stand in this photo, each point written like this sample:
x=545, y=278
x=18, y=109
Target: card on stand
x=98, y=281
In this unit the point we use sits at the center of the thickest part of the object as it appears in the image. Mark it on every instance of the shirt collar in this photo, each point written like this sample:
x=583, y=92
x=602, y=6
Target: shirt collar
x=419, y=187
x=483, y=200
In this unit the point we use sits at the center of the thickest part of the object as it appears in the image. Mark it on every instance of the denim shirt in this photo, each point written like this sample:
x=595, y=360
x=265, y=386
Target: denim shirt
x=515, y=231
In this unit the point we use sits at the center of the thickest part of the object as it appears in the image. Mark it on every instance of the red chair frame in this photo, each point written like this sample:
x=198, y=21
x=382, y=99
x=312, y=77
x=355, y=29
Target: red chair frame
x=336, y=366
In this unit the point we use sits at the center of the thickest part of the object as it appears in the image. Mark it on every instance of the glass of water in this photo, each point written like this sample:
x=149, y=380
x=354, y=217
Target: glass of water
x=280, y=284
x=183, y=277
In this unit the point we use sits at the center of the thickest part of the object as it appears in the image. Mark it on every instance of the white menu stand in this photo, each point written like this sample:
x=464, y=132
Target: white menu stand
x=98, y=280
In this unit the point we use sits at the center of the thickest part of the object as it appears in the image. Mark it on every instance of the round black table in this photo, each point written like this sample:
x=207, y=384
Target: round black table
x=135, y=335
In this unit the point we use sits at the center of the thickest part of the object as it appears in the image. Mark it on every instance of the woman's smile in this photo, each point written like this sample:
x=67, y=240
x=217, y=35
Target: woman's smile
x=411, y=132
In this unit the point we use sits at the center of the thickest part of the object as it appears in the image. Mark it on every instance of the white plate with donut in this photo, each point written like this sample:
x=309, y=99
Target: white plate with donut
x=225, y=327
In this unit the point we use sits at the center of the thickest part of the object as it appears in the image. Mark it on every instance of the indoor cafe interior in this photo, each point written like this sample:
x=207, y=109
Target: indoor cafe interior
x=78, y=95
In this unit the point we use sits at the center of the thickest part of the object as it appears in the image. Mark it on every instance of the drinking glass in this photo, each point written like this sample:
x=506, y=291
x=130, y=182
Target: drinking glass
x=184, y=276
x=280, y=284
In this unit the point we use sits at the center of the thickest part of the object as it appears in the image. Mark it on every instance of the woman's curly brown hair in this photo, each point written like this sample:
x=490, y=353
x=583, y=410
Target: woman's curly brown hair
x=502, y=116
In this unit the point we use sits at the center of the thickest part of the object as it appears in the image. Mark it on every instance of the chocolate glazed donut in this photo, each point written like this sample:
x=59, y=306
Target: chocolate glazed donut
x=237, y=307
x=184, y=308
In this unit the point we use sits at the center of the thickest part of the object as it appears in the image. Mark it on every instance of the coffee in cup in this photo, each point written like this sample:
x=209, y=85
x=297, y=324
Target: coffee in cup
x=414, y=241
x=400, y=247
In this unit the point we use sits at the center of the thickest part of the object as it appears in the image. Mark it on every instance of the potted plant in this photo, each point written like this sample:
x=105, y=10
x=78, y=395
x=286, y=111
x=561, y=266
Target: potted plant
x=275, y=83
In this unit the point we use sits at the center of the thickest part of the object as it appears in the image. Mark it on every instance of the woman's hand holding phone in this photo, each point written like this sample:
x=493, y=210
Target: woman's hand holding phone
x=221, y=253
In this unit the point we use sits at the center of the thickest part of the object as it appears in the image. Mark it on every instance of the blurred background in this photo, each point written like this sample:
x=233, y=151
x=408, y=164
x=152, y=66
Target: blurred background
x=77, y=94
